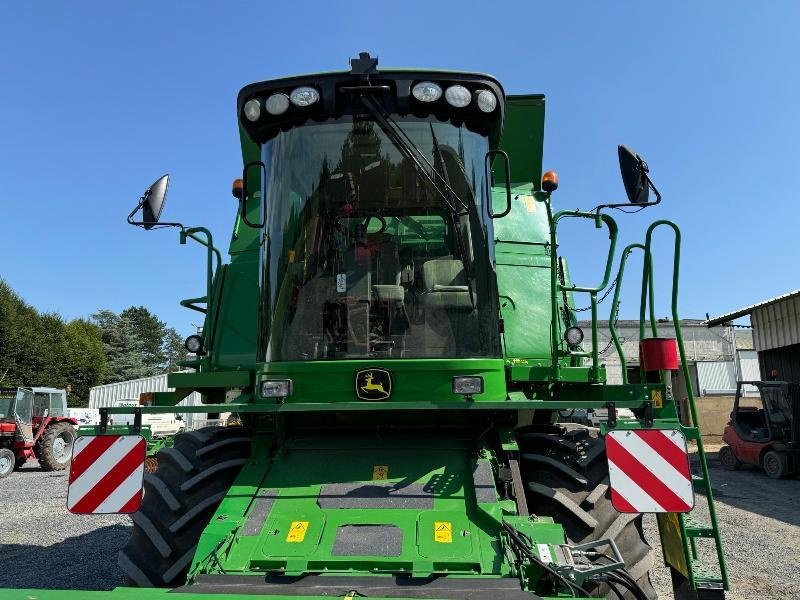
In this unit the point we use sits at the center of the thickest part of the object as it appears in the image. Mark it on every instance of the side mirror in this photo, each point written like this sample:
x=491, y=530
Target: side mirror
x=634, y=176
x=151, y=203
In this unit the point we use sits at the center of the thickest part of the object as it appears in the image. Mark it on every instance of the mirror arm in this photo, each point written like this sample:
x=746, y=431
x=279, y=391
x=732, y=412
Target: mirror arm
x=139, y=206
x=142, y=200
x=600, y=207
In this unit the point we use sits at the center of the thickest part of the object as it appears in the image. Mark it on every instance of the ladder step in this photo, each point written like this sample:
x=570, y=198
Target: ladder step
x=703, y=574
x=696, y=529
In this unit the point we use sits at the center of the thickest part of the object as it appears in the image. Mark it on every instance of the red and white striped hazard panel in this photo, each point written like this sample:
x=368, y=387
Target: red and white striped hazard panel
x=649, y=471
x=106, y=474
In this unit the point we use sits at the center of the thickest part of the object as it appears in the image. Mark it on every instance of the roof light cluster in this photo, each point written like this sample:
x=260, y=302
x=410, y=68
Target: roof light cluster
x=278, y=103
x=456, y=95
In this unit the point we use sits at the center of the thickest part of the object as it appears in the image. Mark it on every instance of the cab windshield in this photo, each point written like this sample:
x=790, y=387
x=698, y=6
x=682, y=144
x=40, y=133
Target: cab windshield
x=369, y=253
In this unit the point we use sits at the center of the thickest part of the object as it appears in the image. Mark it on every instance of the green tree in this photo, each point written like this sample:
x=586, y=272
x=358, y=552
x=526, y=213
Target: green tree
x=151, y=332
x=43, y=350
x=123, y=348
x=174, y=350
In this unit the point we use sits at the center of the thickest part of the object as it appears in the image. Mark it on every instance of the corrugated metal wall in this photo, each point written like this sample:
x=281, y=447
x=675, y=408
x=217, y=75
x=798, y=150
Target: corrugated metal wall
x=777, y=325
x=748, y=363
x=106, y=395
x=716, y=377
x=786, y=361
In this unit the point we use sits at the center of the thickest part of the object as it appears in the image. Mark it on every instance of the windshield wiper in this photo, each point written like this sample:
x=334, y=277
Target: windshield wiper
x=407, y=148
x=454, y=218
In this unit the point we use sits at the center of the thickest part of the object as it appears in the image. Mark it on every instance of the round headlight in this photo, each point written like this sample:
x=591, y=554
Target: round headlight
x=427, y=91
x=304, y=96
x=252, y=109
x=277, y=104
x=458, y=96
x=487, y=101
x=573, y=336
x=194, y=344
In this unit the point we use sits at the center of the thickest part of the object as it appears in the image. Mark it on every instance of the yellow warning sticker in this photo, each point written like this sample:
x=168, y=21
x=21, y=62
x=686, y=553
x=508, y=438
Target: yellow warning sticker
x=657, y=399
x=443, y=532
x=530, y=203
x=380, y=472
x=297, y=531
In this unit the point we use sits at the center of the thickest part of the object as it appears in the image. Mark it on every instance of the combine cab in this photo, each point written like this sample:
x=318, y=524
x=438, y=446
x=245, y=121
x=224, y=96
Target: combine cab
x=395, y=330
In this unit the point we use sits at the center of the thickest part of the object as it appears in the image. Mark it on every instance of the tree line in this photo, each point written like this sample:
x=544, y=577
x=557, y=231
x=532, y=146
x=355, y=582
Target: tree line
x=44, y=349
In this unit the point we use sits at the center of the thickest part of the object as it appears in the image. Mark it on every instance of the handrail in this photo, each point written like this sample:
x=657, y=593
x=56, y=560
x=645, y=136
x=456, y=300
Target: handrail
x=648, y=292
x=612, y=325
x=211, y=253
x=600, y=219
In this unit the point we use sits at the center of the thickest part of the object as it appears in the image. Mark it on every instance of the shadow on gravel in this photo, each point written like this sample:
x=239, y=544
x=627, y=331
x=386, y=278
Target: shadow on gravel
x=750, y=489
x=83, y=562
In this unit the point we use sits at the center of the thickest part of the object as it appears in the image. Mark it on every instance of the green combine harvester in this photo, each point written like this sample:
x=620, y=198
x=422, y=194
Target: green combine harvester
x=396, y=330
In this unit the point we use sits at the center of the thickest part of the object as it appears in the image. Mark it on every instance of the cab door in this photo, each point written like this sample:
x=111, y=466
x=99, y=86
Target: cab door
x=23, y=415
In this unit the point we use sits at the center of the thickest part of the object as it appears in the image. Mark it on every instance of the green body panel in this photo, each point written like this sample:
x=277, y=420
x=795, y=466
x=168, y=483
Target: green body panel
x=165, y=594
x=523, y=138
x=442, y=466
x=413, y=379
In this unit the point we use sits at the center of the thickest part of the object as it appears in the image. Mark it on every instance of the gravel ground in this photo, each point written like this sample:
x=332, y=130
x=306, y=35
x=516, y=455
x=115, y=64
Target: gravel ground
x=43, y=546
x=760, y=522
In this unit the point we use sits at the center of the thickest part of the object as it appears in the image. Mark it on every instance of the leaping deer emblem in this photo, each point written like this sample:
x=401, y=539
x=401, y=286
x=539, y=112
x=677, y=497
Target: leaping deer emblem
x=372, y=387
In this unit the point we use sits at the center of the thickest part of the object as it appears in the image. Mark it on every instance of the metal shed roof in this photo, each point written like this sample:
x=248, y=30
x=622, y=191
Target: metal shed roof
x=749, y=309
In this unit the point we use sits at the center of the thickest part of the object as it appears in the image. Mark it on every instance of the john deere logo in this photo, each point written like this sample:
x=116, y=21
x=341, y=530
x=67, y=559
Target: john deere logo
x=373, y=384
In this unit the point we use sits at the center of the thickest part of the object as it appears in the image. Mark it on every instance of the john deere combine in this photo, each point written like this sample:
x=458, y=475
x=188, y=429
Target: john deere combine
x=396, y=329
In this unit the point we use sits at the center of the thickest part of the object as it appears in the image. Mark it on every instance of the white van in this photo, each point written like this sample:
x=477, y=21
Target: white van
x=85, y=416
x=161, y=425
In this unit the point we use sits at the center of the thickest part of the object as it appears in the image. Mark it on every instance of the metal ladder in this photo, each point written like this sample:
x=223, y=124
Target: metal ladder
x=703, y=580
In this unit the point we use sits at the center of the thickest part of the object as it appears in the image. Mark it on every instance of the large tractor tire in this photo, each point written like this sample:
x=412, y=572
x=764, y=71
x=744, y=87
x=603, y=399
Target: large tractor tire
x=566, y=475
x=54, y=448
x=180, y=498
x=7, y=462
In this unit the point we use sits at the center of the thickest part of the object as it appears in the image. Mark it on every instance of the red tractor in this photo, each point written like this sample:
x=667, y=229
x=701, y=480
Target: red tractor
x=764, y=429
x=34, y=424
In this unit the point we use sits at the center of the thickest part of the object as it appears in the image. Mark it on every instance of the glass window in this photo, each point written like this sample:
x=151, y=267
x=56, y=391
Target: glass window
x=23, y=405
x=369, y=253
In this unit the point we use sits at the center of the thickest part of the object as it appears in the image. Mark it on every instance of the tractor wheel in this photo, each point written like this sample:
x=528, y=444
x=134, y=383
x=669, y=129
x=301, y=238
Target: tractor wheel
x=7, y=462
x=775, y=464
x=54, y=448
x=566, y=474
x=728, y=459
x=179, y=500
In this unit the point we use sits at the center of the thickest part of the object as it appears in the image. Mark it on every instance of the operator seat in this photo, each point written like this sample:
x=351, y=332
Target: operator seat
x=386, y=289
x=451, y=325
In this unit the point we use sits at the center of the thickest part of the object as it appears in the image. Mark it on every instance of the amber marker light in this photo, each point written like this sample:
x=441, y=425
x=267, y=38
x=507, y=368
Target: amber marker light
x=238, y=187
x=550, y=181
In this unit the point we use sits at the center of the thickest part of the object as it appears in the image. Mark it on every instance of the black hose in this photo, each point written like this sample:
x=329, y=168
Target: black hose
x=627, y=583
x=519, y=543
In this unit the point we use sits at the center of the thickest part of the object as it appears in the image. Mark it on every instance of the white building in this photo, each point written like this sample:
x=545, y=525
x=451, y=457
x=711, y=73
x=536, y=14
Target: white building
x=111, y=393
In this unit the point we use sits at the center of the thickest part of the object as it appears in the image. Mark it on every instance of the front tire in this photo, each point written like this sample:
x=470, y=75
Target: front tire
x=775, y=464
x=7, y=462
x=54, y=448
x=566, y=475
x=180, y=498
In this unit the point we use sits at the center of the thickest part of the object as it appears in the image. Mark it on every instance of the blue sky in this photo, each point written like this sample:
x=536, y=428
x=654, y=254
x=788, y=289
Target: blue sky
x=98, y=99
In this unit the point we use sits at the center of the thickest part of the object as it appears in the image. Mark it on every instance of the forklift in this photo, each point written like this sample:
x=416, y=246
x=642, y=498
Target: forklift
x=764, y=429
